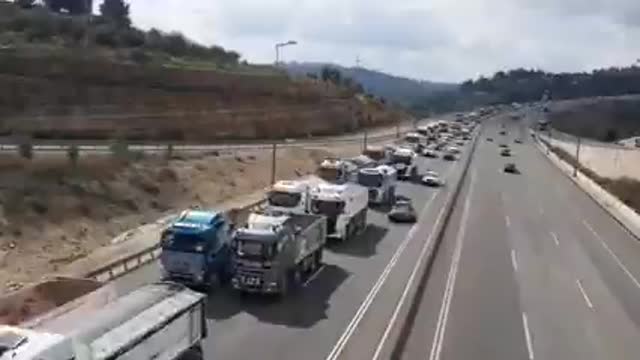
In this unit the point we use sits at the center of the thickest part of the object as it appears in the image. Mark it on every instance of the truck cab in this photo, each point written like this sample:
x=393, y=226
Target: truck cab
x=404, y=162
x=274, y=253
x=335, y=171
x=381, y=182
x=196, y=248
x=291, y=196
x=345, y=207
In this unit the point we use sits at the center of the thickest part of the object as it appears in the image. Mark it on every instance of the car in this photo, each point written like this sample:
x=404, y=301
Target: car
x=503, y=146
x=432, y=179
x=403, y=211
x=505, y=152
x=453, y=150
x=490, y=139
x=460, y=143
x=503, y=132
x=511, y=168
x=449, y=157
x=430, y=154
x=517, y=141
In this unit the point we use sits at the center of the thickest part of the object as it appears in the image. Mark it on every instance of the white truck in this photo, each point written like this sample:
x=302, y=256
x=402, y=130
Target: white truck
x=404, y=162
x=381, y=182
x=345, y=207
x=292, y=196
x=156, y=321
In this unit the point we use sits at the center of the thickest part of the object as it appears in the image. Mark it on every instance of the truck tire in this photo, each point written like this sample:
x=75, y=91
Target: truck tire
x=317, y=259
x=194, y=353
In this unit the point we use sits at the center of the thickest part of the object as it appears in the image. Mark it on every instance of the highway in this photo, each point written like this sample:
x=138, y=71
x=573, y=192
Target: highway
x=344, y=309
x=530, y=267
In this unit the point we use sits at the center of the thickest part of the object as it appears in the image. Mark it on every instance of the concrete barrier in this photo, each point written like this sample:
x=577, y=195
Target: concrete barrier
x=623, y=214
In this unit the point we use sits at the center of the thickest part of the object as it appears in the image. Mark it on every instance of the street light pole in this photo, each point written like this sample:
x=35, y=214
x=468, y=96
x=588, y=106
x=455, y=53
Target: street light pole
x=281, y=45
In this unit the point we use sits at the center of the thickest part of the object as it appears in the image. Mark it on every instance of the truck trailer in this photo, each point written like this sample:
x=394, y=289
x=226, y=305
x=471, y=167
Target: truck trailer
x=345, y=207
x=273, y=254
x=157, y=321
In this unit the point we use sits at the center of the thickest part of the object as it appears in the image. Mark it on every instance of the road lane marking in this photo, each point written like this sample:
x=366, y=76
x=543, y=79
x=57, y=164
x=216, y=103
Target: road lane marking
x=355, y=321
x=584, y=295
x=615, y=257
x=507, y=220
x=313, y=276
x=555, y=238
x=527, y=335
x=441, y=326
x=514, y=260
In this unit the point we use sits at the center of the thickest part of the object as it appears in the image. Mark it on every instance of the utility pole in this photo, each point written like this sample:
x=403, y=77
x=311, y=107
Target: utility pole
x=281, y=45
x=577, y=164
x=274, y=150
x=365, y=140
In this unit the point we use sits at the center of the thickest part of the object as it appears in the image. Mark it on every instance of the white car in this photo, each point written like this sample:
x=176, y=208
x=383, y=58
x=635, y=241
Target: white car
x=453, y=150
x=432, y=178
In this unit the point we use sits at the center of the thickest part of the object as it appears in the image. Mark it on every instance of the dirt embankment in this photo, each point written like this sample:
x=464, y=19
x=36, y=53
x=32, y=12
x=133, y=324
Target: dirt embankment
x=604, y=119
x=71, y=98
x=52, y=213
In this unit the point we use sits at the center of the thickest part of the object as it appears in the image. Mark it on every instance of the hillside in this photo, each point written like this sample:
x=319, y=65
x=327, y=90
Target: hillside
x=395, y=88
x=600, y=118
x=114, y=81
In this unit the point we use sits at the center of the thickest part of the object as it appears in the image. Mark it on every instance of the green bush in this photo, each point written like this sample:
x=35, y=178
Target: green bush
x=107, y=35
x=132, y=37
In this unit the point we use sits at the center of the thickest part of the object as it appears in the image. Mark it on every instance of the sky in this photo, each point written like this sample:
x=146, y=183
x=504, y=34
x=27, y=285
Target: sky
x=438, y=40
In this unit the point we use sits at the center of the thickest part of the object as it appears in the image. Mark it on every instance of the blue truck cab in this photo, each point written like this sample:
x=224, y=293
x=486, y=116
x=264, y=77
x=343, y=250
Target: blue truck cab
x=196, y=248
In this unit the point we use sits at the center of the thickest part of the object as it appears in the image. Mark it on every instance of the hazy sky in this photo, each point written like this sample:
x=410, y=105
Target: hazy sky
x=443, y=40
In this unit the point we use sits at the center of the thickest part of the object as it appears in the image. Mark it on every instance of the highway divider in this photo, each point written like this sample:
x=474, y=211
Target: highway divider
x=399, y=332
x=627, y=217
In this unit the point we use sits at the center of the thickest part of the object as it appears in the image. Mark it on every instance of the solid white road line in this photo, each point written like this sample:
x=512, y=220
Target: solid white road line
x=514, y=260
x=616, y=258
x=527, y=335
x=407, y=287
x=584, y=295
x=313, y=276
x=507, y=220
x=355, y=321
x=555, y=238
x=438, y=337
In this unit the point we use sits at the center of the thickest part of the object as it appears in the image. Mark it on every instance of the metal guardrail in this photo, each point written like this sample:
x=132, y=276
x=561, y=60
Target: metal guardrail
x=131, y=262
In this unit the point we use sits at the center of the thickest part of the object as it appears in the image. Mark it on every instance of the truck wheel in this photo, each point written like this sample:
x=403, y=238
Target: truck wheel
x=194, y=353
x=317, y=259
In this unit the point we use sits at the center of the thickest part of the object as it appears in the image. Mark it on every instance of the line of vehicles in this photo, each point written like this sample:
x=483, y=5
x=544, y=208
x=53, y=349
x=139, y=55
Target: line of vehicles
x=273, y=252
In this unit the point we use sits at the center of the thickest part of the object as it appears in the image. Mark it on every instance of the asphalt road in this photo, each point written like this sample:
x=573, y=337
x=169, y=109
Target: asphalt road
x=530, y=268
x=343, y=311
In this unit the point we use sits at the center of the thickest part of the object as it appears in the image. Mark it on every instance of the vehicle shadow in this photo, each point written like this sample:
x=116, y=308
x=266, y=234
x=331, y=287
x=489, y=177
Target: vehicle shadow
x=363, y=246
x=302, y=309
x=382, y=209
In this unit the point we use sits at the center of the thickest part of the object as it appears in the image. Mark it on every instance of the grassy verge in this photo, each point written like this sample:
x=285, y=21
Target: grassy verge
x=625, y=189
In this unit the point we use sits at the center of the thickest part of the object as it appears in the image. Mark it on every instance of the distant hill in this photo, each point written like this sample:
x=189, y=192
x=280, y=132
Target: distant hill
x=398, y=89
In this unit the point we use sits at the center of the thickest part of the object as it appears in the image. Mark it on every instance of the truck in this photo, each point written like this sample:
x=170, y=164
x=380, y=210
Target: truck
x=196, y=248
x=274, y=254
x=376, y=153
x=83, y=320
x=345, y=207
x=340, y=171
x=404, y=161
x=292, y=196
x=381, y=182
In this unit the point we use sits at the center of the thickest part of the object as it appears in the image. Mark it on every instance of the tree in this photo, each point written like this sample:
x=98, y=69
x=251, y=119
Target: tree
x=116, y=11
x=73, y=7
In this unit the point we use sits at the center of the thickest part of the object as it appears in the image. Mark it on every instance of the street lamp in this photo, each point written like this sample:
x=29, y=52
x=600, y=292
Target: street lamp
x=281, y=45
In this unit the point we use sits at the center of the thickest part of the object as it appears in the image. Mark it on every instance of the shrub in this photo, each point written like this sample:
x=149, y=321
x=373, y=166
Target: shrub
x=107, y=35
x=140, y=57
x=132, y=37
x=26, y=150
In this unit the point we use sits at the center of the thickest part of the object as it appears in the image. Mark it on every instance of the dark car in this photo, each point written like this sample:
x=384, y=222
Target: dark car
x=518, y=141
x=430, y=154
x=503, y=132
x=511, y=168
x=503, y=145
x=505, y=152
x=449, y=157
x=490, y=139
x=403, y=211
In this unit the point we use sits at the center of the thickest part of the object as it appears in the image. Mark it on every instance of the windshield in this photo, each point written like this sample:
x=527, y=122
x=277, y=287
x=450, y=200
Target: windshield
x=370, y=180
x=284, y=199
x=329, y=208
x=183, y=242
x=255, y=249
x=329, y=174
x=401, y=159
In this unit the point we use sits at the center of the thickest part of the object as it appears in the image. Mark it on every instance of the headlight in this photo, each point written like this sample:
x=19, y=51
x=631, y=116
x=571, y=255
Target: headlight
x=199, y=248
